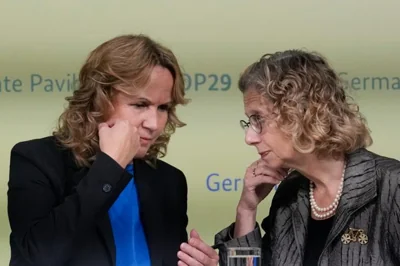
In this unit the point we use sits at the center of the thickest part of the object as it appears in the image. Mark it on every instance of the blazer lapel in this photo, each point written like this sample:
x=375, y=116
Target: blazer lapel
x=358, y=190
x=300, y=217
x=105, y=230
x=150, y=207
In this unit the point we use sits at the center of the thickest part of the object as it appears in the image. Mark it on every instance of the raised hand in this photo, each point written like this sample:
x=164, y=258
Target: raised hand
x=119, y=140
x=258, y=182
x=197, y=253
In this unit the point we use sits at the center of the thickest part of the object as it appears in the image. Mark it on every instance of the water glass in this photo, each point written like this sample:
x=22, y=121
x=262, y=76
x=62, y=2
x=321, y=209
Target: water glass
x=244, y=256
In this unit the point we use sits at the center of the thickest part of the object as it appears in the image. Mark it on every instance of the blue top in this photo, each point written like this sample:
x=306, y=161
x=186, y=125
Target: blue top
x=130, y=241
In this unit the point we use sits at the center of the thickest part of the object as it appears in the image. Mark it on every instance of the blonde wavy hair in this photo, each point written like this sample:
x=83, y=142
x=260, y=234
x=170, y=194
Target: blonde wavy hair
x=309, y=102
x=125, y=62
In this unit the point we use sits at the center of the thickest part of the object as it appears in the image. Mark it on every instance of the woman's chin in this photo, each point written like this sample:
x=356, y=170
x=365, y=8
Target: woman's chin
x=141, y=153
x=273, y=162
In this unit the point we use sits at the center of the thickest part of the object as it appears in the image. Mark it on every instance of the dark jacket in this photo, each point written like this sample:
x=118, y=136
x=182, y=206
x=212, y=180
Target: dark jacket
x=58, y=212
x=370, y=201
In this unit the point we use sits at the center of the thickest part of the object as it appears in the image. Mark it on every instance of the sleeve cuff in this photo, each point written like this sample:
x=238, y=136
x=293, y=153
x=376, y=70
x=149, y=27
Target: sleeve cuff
x=224, y=238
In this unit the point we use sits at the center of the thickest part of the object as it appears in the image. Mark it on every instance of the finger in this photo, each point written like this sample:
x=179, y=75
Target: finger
x=268, y=170
x=181, y=263
x=250, y=171
x=280, y=172
x=267, y=178
x=253, y=165
x=199, y=244
x=198, y=254
x=203, y=247
x=102, y=125
x=274, y=180
x=194, y=234
x=187, y=259
x=264, y=170
x=261, y=179
x=112, y=122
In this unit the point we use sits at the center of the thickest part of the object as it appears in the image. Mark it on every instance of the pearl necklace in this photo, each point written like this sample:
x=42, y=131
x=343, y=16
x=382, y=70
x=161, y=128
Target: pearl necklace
x=331, y=209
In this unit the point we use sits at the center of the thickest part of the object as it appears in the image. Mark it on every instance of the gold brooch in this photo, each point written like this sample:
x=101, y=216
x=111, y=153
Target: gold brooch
x=354, y=235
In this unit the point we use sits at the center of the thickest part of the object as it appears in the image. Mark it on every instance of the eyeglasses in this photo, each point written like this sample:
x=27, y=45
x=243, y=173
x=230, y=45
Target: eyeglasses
x=255, y=122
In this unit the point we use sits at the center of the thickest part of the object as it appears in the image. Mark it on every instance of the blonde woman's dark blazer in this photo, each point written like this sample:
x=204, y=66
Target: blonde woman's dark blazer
x=58, y=212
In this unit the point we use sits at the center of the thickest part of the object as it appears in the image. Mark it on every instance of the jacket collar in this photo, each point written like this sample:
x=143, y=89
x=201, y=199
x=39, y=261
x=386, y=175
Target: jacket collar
x=151, y=195
x=359, y=188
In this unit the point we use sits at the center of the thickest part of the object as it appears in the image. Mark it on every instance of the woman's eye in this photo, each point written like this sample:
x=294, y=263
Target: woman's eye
x=139, y=105
x=164, y=108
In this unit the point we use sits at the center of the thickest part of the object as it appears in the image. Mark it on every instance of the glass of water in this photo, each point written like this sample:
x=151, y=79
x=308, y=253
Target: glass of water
x=244, y=256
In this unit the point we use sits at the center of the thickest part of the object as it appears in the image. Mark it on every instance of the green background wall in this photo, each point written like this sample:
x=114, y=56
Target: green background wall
x=51, y=39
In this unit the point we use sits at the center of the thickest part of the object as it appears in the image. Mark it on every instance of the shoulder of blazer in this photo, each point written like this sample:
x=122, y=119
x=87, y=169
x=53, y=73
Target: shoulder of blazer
x=39, y=147
x=46, y=153
x=164, y=166
x=50, y=158
x=387, y=173
x=386, y=166
x=174, y=174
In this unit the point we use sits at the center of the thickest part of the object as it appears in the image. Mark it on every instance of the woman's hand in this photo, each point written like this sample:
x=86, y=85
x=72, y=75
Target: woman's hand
x=258, y=182
x=119, y=140
x=197, y=253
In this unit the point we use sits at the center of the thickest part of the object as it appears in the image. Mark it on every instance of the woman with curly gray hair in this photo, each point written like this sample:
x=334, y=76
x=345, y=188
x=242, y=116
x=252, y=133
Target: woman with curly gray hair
x=337, y=202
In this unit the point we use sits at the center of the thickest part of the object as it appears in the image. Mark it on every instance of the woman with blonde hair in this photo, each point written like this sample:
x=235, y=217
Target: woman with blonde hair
x=96, y=192
x=337, y=203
